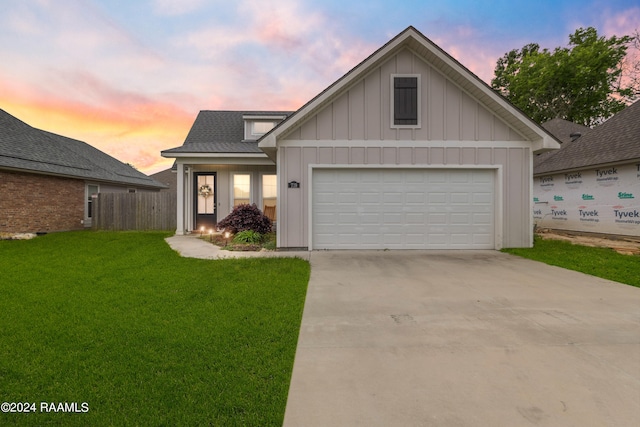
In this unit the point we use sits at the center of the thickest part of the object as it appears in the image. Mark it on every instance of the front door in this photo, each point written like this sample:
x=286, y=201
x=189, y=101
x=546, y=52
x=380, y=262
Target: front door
x=205, y=200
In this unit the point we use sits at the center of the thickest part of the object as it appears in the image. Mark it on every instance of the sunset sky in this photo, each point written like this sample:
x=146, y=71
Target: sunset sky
x=129, y=76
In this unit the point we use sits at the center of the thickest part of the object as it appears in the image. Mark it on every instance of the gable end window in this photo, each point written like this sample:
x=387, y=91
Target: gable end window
x=405, y=100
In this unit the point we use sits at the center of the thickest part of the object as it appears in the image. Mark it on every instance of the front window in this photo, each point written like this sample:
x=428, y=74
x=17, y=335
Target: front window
x=241, y=189
x=260, y=128
x=269, y=195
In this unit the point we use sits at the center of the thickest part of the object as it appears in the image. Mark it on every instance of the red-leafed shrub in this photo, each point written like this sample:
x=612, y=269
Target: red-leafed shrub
x=246, y=217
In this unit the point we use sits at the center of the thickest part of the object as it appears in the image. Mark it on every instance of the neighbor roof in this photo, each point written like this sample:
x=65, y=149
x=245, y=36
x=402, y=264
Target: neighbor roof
x=614, y=141
x=562, y=130
x=439, y=59
x=26, y=148
x=221, y=132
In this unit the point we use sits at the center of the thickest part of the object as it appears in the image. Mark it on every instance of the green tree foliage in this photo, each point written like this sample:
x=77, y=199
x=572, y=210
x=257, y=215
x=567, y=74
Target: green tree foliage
x=582, y=83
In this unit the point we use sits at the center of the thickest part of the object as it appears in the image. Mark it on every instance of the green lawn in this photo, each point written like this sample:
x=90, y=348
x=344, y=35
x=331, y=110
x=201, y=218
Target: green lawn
x=600, y=262
x=143, y=336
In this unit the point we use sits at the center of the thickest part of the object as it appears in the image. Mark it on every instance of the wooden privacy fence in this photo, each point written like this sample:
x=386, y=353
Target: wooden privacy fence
x=134, y=211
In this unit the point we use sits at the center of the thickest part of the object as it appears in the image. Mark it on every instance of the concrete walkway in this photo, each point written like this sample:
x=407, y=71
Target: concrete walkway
x=482, y=338
x=192, y=246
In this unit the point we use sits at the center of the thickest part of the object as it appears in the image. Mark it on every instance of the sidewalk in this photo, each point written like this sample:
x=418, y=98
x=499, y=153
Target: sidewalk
x=191, y=246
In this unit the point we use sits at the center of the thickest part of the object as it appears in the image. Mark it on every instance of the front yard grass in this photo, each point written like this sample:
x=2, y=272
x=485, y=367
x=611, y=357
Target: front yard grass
x=144, y=336
x=600, y=262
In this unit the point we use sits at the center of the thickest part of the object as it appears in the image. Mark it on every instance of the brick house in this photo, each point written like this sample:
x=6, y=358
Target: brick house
x=47, y=181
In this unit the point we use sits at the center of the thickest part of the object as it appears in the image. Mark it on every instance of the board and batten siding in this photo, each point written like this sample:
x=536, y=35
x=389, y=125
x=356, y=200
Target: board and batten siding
x=363, y=112
x=355, y=128
x=514, y=163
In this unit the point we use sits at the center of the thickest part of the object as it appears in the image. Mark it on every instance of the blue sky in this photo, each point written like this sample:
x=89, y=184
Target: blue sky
x=129, y=77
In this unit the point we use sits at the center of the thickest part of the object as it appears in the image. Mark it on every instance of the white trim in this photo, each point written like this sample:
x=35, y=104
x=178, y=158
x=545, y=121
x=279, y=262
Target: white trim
x=279, y=203
x=530, y=199
x=213, y=155
x=190, y=201
x=264, y=117
x=404, y=143
x=180, y=225
x=498, y=186
x=392, y=101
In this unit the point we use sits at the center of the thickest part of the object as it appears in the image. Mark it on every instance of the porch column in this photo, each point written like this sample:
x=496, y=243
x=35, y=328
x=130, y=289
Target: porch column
x=180, y=200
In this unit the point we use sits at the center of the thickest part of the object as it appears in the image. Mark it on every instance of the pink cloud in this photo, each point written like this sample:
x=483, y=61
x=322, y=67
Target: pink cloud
x=622, y=23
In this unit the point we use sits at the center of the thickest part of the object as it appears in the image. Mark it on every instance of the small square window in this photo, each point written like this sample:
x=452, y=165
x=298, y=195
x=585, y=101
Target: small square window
x=405, y=102
x=260, y=128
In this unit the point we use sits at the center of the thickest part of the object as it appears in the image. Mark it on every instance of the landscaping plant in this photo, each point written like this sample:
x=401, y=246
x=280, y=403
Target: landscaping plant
x=248, y=236
x=246, y=217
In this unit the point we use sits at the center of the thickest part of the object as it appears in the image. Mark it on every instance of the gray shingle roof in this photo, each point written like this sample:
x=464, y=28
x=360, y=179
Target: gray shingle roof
x=221, y=132
x=23, y=147
x=562, y=130
x=614, y=141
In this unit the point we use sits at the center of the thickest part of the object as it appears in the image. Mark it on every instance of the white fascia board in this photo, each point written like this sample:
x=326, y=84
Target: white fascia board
x=227, y=160
x=215, y=155
x=264, y=117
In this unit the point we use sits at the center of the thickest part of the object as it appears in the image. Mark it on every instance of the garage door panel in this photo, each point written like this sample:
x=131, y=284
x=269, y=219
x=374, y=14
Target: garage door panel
x=436, y=198
x=402, y=209
x=460, y=198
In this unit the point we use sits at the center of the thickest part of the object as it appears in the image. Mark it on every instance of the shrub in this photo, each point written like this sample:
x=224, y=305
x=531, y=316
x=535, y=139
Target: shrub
x=246, y=217
x=248, y=236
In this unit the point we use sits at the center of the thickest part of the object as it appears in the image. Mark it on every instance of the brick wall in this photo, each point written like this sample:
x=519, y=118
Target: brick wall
x=31, y=203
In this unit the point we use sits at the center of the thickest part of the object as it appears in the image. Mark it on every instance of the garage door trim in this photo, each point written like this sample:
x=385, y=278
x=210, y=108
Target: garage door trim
x=498, y=190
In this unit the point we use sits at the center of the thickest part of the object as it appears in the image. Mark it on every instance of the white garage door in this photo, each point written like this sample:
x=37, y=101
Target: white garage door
x=403, y=209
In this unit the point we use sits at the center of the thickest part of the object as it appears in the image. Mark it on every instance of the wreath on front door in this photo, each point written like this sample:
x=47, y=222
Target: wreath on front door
x=204, y=190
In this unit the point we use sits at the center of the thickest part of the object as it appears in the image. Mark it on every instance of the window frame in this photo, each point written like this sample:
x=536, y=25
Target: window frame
x=262, y=175
x=251, y=134
x=418, y=124
x=88, y=206
x=232, y=192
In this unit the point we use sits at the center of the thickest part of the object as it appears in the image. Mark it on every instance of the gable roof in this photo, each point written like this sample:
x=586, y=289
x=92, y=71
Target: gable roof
x=614, y=141
x=221, y=132
x=438, y=58
x=26, y=148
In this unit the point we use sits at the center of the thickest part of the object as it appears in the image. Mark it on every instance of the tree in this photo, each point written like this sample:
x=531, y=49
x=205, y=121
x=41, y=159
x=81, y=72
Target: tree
x=581, y=83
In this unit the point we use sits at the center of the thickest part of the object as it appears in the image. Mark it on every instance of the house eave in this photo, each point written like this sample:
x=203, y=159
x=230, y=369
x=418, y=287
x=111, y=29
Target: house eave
x=86, y=178
x=223, y=155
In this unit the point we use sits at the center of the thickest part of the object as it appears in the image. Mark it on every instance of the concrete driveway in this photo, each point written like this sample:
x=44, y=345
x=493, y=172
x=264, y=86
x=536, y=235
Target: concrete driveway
x=405, y=338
